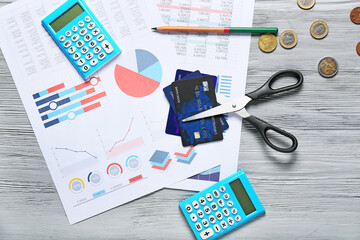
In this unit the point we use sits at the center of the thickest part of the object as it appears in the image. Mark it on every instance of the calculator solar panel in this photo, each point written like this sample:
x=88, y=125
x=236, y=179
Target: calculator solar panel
x=81, y=37
x=222, y=207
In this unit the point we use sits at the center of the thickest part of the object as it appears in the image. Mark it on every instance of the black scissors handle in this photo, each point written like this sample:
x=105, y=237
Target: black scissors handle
x=266, y=89
x=263, y=128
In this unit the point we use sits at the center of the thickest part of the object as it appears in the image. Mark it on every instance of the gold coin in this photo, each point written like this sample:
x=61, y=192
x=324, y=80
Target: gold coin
x=267, y=42
x=319, y=29
x=288, y=39
x=306, y=4
x=328, y=67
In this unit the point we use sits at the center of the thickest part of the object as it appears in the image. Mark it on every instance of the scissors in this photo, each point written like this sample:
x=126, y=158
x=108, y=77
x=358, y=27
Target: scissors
x=238, y=106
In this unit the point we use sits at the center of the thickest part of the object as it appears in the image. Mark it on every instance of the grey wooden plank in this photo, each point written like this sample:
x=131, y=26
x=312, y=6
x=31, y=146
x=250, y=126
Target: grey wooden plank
x=311, y=194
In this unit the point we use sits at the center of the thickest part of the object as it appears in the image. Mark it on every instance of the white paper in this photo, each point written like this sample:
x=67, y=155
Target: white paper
x=225, y=56
x=99, y=152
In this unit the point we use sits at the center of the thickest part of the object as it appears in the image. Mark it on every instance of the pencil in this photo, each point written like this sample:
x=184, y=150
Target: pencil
x=273, y=30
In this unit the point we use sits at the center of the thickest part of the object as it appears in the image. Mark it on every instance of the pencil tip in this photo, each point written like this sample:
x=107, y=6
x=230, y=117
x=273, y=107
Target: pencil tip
x=154, y=28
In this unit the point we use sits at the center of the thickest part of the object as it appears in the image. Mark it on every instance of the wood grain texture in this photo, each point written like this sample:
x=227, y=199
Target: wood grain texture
x=311, y=194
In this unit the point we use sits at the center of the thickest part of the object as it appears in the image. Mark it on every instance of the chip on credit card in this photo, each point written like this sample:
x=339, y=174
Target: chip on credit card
x=193, y=96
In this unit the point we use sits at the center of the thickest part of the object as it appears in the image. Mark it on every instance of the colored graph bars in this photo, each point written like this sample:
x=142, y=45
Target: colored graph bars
x=56, y=104
x=224, y=85
x=212, y=175
x=160, y=160
x=186, y=158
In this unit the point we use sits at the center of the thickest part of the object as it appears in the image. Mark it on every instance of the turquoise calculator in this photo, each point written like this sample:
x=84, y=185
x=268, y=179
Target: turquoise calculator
x=82, y=38
x=222, y=207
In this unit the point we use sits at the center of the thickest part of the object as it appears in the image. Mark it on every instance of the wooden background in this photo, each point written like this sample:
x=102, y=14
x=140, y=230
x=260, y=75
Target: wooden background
x=311, y=194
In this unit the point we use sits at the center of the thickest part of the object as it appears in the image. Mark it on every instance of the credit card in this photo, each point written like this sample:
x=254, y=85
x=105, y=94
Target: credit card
x=172, y=125
x=193, y=96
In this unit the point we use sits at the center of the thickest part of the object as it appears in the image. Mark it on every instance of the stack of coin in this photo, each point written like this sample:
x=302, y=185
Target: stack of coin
x=306, y=4
x=319, y=29
x=267, y=42
x=328, y=67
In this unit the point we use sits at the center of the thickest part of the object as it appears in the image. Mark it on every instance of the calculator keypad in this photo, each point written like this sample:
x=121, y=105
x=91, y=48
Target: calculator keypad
x=77, y=42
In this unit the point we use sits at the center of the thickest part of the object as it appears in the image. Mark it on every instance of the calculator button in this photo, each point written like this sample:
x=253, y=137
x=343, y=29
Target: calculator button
x=230, y=203
x=84, y=50
x=222, y=189
x=226, y=196
x=237, y=218
x=202, y=200
x=97, y=49
x=193, y=217
x=205, y=222
x=226, y=212
x=81, y=24
x=89, y=56
x=198, y=226
x=67, y=44
x=92, y=43
x=88, y=37
x=207, y=210
x=100, y=37
x=68, y=33
x=83, y=31
x=207, y=233
x=188, y=208
x=209, y=197
x=195, y=204
x=107, y=46
x=81, y=62
x=75, y=38
x=87, y=19
x=74, y=28
x=96, y=31
x=200, y=213
x=216, y=193
x=218, y=215
x=76, y=56
x=217, y=228
x=72, y=49
x=223, y=224
x=234, y=211
x=102, y=56
x=214, y=206
x=91, y=25
x=221, y=203
x=230, y=220
x=62, y=38
x=212, y=219
x=80, y=43
x=93, y=62
x=85, y=68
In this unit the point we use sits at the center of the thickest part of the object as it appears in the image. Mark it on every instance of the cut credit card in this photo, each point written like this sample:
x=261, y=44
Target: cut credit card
x=193, y=96
x=172, y=125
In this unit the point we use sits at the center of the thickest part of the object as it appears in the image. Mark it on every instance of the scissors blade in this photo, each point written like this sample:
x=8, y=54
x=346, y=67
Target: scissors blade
x=227, y=106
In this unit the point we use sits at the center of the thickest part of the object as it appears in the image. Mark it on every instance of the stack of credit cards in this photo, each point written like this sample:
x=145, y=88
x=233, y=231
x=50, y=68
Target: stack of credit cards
x=193, y=93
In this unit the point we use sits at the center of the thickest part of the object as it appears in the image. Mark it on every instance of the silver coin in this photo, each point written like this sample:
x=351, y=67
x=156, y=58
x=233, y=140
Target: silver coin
x=328, y=67
x=288, y=38
x=319, y=28
x=306, y=2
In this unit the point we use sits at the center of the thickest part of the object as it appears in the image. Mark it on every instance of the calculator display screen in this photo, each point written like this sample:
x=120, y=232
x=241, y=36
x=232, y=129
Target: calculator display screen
x=67, y=17
x=242, y=196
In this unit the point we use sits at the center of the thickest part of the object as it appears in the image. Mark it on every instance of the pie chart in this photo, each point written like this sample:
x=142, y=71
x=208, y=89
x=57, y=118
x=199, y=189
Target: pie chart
x=143, y=82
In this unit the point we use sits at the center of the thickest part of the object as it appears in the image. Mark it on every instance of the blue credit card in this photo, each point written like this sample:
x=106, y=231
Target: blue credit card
x=172, y=125
x=193, y=96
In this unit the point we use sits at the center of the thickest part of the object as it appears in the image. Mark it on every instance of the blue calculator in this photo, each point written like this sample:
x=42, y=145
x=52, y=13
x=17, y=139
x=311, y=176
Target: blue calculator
x=81, y=37
x=222, y=207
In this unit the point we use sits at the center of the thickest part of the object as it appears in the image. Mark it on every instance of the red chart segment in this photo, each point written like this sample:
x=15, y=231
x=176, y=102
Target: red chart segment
x=141, y=83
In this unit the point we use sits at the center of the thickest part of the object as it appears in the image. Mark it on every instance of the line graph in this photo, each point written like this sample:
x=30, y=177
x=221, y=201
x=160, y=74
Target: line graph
x=155, y=127
x=75, y=151
x=112, y=148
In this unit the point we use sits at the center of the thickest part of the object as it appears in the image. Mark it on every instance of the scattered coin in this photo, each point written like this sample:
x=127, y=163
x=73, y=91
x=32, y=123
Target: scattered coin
x=355, y=15
x=328, y=67
x=288, y=39
x=267, y=42
x=358, y=48
x=319, y=29
x=306, y=4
